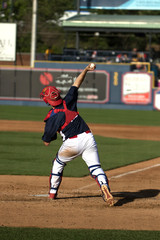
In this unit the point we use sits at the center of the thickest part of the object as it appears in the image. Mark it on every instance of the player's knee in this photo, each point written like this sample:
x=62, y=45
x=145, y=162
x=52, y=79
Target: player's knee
x=98, y=174
x=95, y=170
x=58, y=166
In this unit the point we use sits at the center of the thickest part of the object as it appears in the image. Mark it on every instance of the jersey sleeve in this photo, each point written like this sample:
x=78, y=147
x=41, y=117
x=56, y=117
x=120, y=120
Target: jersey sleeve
x=52, y=126
x=71, y=98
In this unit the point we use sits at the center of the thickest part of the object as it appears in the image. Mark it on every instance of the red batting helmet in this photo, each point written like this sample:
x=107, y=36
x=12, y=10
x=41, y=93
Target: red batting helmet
x=51, y=95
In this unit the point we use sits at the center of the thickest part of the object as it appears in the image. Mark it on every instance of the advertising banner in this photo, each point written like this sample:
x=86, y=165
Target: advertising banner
x=27, y=84
x=121, y=4
x=7, y=41
x=91, y=89
x=136, y=88
x=157, y=99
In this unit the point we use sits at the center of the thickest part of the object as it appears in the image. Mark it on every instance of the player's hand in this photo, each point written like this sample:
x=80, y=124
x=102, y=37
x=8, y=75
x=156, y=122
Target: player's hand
x=91, y=66
x=46, y=143
x=82, y=75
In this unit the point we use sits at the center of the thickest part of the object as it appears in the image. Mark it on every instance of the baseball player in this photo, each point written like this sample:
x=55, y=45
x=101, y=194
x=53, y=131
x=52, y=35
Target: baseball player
x=77, y=137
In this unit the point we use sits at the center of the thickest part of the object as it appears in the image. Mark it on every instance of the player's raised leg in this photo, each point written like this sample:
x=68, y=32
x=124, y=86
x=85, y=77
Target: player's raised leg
x=91, y=157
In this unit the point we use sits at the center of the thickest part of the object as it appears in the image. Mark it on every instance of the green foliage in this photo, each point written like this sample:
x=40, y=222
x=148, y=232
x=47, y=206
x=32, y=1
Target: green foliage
x=21, y=9
x=72, y=234
x=50, y=34
x=53, y=9
x=24, y=42
x=13, y=11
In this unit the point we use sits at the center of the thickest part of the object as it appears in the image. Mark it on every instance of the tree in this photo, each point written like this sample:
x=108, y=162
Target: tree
x=49, y=11
x=49, y=33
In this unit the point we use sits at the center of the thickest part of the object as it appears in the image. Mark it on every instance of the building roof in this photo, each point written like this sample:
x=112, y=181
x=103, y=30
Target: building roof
x=113, y=23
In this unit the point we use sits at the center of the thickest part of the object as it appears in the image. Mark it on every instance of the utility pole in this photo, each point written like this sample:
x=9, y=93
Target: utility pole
x=33, y=37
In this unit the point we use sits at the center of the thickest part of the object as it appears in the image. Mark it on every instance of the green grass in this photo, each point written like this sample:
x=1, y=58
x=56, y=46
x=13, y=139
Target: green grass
x=108, y=116
x=72, y=234
x=124, y=117
x=23, y=113
x=23, y=153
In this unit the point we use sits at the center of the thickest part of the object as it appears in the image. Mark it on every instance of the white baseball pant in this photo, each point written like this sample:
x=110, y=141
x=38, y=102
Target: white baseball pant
x=85, y=145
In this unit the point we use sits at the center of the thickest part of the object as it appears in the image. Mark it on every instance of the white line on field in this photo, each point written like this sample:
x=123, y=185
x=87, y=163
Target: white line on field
x=122, y=175
x=135, y=171
x=39, y=195
x=117, y=176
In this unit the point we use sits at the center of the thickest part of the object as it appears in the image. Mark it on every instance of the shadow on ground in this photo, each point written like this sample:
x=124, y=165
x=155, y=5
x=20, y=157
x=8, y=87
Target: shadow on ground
x=127, y=197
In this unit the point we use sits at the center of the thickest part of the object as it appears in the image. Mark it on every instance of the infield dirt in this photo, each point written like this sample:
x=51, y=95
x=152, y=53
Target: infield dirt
x=24, y=201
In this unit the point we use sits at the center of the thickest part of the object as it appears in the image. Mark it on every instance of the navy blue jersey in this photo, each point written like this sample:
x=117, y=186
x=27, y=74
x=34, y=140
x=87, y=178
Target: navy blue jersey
x=56, y=120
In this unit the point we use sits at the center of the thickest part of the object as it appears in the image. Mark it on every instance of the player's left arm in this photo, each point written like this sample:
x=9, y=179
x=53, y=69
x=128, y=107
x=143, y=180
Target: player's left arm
x=50, y=132
x=51, y=139
x=82, y=75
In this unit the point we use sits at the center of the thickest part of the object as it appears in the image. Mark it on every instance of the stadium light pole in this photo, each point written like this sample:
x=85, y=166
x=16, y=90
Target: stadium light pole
x=33, y=35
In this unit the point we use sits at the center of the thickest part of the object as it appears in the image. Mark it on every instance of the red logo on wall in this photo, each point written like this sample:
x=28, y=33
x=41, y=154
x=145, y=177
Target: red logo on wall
x=46, y=78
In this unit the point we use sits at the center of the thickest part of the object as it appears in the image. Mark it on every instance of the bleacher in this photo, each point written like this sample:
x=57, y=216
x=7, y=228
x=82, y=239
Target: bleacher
x=71, y=54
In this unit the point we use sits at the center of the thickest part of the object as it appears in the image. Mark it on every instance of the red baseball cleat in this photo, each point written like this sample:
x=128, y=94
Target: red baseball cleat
x=52, y=196
x=107, y=196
